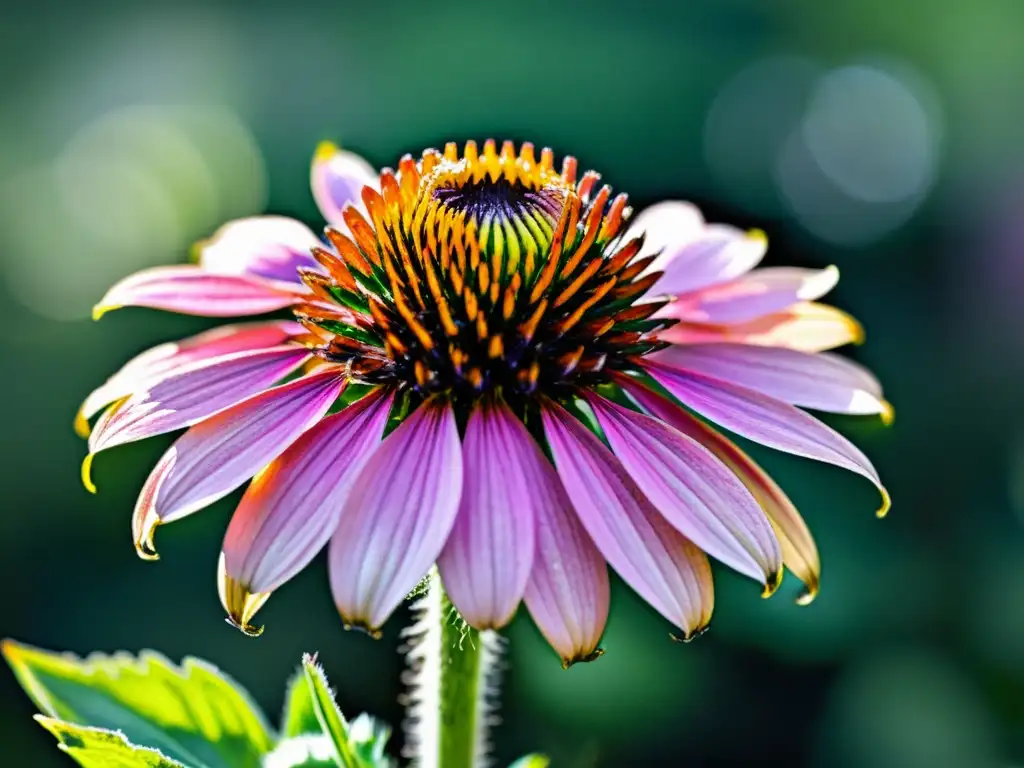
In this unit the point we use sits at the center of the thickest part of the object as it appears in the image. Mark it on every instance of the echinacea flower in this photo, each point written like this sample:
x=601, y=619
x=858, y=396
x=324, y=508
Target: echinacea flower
x=490, y=369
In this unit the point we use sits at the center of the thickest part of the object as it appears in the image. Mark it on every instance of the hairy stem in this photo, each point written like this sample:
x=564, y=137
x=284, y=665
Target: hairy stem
x=453, y=685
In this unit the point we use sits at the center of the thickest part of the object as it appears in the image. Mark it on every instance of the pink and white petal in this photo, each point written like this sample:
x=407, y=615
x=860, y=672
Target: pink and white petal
x=695, y=492
x=194, y=392
x=268, y=247
x=219, y=454
x=666, y=226
x=160, y=360
x=692, y=254
x=397, y=517
x=567, y=593
x=721, y=253
x=292, y=507
x=808, y=326
x=658, y=562
x=758, y=293
x=337, y=177
x=191, y=290
x=767, y=421
x=819, y=381
x=799, y=552
x=486, y=562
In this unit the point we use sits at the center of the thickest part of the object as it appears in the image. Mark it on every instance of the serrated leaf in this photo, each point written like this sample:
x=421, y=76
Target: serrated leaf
x=193, y=714
x=101, y=748
x=332, y=722
x=299, y=713
x=531, y=761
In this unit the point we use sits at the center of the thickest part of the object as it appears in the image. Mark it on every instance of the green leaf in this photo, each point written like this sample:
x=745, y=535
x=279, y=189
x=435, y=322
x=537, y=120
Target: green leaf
x=532, y=761
x=332, y=722
x=193, y=714
x=100, y=748
x=299, y=713
x=369, y=737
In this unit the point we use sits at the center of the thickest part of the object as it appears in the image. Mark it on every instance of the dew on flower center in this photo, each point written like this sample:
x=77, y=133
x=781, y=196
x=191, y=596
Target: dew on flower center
x=483, y=272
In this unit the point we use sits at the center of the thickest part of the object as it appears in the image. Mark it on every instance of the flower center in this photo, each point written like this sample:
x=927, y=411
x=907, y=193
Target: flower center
x=489, y=271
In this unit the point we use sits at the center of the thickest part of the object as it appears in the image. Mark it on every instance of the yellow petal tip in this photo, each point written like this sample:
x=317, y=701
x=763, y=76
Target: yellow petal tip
x=757, y=235
x=772, y=583
x=144, y=528
x=888, y=413
x=325, y=150
x=101, y=309
x=593, y=655
x=81, y=425
x=809, y=593
x=886, y=504
x=361, y=625
x=90, y=486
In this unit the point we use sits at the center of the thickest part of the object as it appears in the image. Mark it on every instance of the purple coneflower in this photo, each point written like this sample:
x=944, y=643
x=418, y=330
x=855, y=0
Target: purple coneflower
x=490, y=369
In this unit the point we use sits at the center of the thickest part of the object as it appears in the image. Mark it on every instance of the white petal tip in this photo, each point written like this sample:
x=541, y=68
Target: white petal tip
x=144, y=527
x=689, y=636
x=809, y=593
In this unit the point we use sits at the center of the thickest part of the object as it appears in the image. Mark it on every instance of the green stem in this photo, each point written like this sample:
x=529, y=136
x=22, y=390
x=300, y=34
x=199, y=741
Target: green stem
x=453, y=685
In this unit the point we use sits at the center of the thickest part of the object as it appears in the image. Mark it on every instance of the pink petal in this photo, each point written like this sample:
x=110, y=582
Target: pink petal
x=192, y=290
x=767, y=421
x=692, y=254
x=799, y=553
x=695, y=492
x=486, y=562
x=337, y=178
x=657, y=561
x=219, y=454
x=758, y=293
x=567, y=593
x=820, y=381
x=292, y=507
x=269, y=247
x=806, y=326
x=194, y=392
x=397, y=516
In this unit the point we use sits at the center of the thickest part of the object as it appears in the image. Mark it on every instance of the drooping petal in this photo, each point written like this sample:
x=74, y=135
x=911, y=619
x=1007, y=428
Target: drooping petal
x=767, y=421
x=219, y=454
x=799, y=553
x=192, y=290
x=194, y=392
x=269, y=247
x=695, y=492
x=486, y=562
x=658, y=562
x=567, y=593
x=758, y=293
x=292, y=507
x=692, y=254
x=158, y=361
x=337, y=177
x=397, y=516
x=806, y=326
x=820, y=381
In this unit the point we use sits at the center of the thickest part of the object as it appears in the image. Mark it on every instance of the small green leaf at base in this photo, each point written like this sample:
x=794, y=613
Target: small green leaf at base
x=100, y=748
x=299, y=717
x=192, y=714
x=531, y=761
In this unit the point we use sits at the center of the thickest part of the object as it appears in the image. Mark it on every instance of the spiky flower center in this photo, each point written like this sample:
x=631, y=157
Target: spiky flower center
x=490, y=271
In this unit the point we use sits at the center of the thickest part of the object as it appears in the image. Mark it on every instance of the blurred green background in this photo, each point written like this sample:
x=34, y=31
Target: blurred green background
x=882, y=136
